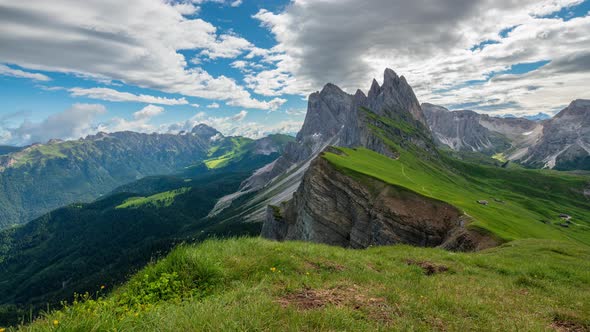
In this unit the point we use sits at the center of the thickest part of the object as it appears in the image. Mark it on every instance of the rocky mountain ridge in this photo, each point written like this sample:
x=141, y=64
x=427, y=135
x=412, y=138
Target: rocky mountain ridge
x=42, y=177
x=336, y=118
x=334, y=208
x=557, y=143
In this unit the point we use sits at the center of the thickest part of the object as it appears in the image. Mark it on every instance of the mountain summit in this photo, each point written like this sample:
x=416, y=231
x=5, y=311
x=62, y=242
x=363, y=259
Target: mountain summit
x=336, y=118
x=561, y=142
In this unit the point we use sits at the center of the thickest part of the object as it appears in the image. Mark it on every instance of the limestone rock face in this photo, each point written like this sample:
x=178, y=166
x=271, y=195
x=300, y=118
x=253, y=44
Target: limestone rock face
x=462, y=130
x=204, y=132
x=330, y=207
x=565, y=141
x=561, y=142
x=395, y=91
x=335, y=118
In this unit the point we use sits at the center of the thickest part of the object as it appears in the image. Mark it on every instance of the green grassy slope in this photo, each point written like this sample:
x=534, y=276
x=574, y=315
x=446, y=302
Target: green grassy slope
x=531, y=200
x=75, y=248
x=257, y=285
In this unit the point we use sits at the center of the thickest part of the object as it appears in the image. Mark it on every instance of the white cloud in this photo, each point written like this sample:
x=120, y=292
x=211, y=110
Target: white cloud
x=139, y=123
x=236, y=3
x=229, y=126
x=195, y=105
x=348, y=44
x=213, y=105
x=227, y=46
x=114, y=95
x=72, y=123
x=134, y=41
x=271, y=105
x=148, y=112
x=296, y=112
x=7, y=71
x=240, y=116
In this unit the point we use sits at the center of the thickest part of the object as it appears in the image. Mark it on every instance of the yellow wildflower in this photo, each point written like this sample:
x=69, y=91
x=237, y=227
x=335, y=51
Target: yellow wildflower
x=2, y=329
x=55, y=322
x=273, y=269
x=102, y=287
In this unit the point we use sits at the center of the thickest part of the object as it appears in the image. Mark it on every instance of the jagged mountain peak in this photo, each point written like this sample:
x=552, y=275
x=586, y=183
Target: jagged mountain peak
x=578, y=107
x=375, y=89
x=389, y=75
x=336, y=118
x=204, y=131
x=395, y=93
x=331, y=88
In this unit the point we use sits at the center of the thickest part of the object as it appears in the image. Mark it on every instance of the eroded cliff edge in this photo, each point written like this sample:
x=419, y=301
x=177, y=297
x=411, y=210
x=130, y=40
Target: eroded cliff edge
x=357, y=211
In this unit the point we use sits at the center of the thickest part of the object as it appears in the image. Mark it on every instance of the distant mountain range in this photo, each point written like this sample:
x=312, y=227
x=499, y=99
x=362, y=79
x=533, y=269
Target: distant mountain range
x=535, y=117
x=561, y=142
x=81, y=246
x=42, y=177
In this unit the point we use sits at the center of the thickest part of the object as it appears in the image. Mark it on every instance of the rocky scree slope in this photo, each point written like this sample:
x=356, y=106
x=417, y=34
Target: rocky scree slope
x=565, y=141
x=561, y=142
x=466, y=130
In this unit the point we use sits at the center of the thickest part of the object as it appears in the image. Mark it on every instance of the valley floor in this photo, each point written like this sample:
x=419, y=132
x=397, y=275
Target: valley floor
x=251, y=284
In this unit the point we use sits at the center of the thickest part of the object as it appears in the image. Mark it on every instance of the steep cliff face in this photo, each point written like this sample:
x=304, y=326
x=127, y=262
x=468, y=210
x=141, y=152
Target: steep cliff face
x=470, y=131
x=565, y=142
x=462, y=131
x=357, y=211
x=335, y=118
x=561, y=142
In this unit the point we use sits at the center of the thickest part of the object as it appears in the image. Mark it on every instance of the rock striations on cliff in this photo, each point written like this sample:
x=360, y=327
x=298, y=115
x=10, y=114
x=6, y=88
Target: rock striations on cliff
x=301, y=196
x=334, y=118
x=561, y=142
x=334, y=208
x=565, y=140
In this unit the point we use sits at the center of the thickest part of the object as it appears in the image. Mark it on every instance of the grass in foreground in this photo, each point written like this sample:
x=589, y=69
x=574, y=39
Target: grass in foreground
x=254, y=284
x=522, y=203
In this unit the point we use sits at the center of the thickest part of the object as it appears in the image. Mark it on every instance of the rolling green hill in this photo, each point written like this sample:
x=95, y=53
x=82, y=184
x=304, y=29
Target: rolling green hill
x=257, y=285
x=521, y=203
x=44, y=177
x=78, y=247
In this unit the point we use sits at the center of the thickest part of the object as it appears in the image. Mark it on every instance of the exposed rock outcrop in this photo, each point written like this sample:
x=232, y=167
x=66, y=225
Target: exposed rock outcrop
x=561, y=142
x=565, y=141
x=470, y=131
x=333, y=208
x=336, y=118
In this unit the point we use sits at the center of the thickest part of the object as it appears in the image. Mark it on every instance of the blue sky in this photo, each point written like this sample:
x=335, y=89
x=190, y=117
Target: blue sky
x=246, y=67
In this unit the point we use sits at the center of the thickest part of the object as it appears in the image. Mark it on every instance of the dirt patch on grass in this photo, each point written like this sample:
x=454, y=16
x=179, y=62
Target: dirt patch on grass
x=352, y=297
x=429, y=268
x=563, y=323
x=562, y=326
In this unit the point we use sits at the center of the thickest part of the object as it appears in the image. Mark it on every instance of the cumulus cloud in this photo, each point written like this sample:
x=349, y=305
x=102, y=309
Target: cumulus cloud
x=139, y=123
x=135, y=41
x=73, y=123
x=7, y=71
x=114, y=95
x=148, y=112
x=213, y=105
x=348, y=42
x=240, y=116
x=235, y=126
